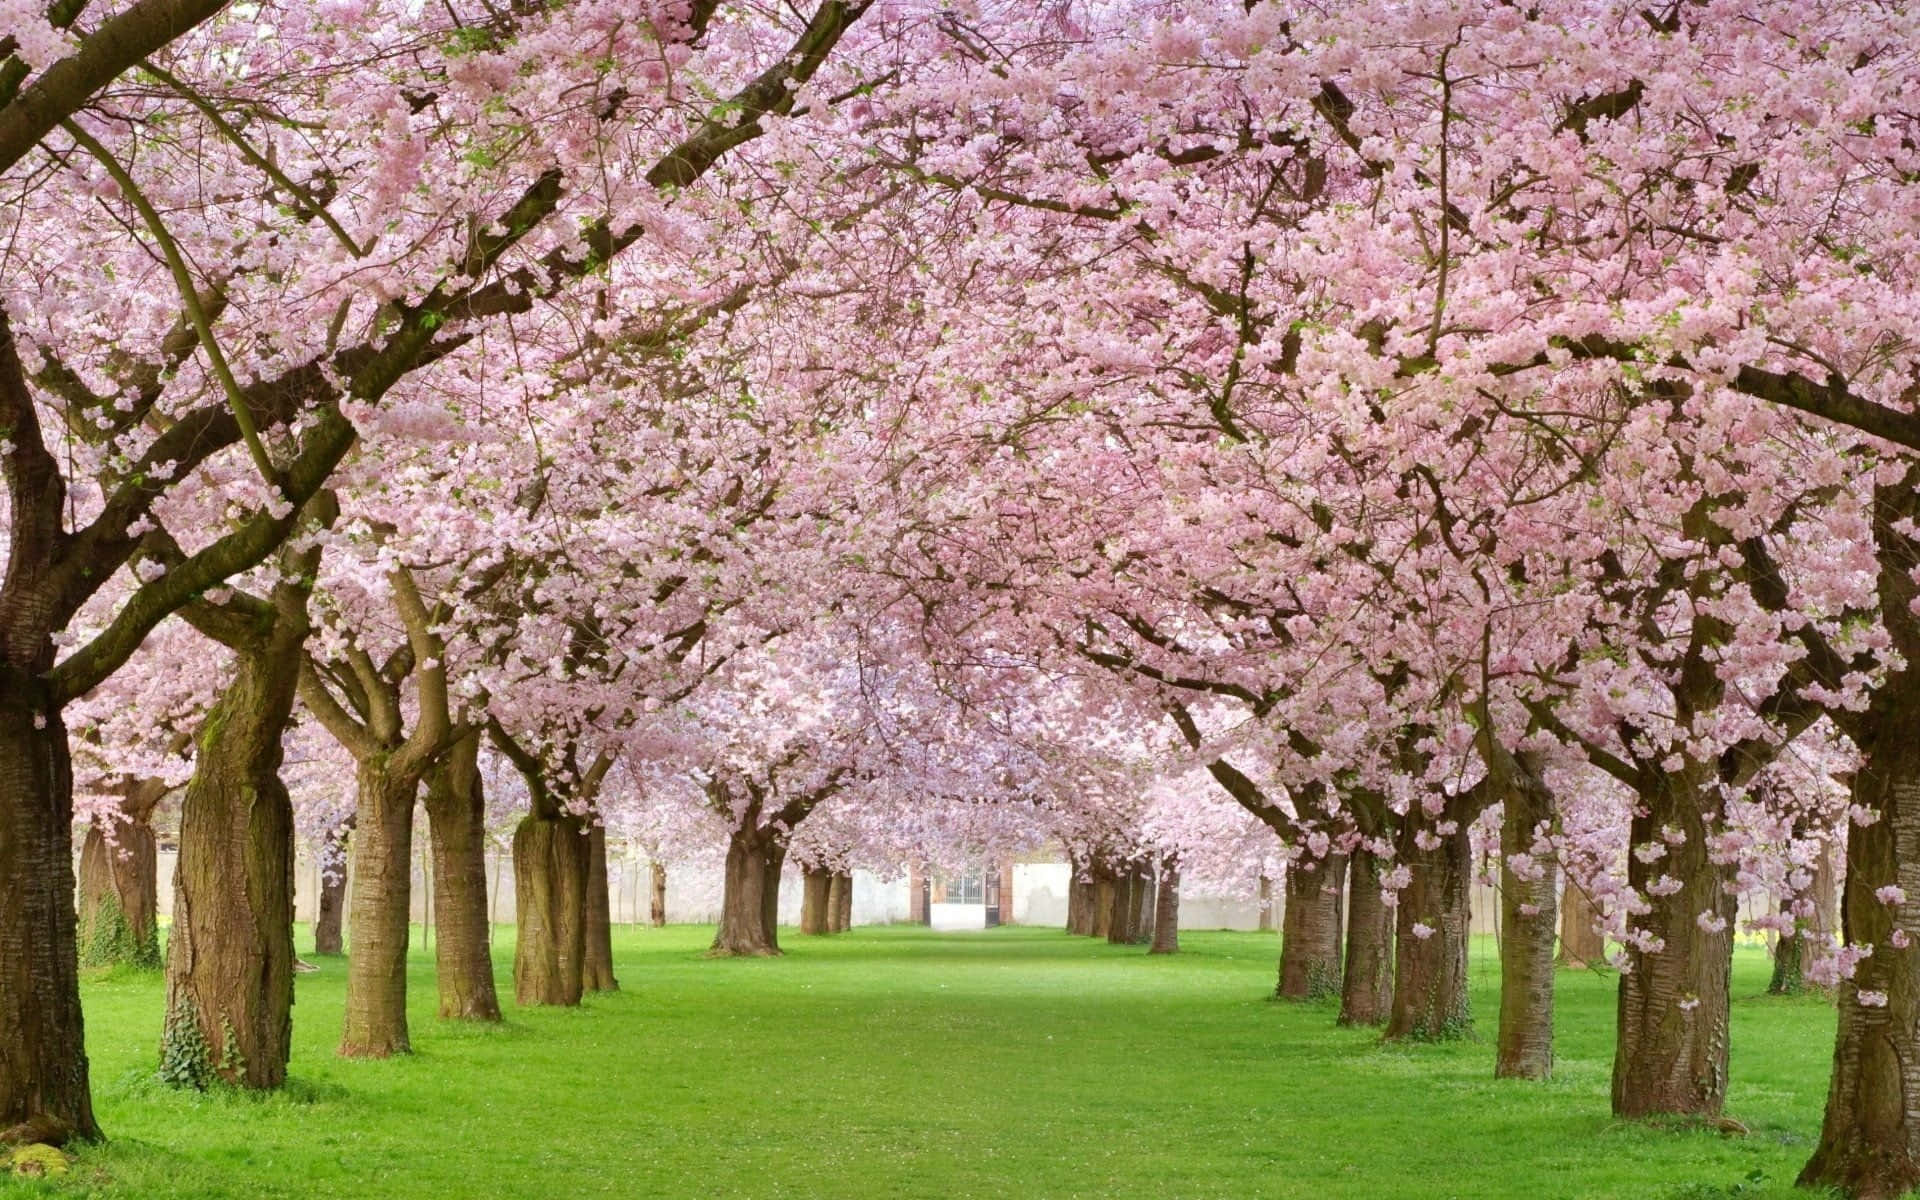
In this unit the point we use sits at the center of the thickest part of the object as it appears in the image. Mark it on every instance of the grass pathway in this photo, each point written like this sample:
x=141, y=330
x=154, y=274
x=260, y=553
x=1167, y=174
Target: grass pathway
x=896, y=1062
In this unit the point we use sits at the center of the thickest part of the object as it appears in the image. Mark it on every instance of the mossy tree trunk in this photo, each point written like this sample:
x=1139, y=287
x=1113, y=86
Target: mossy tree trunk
x=596, y=961
x=463, y=951
x=230, y=952
x=1366, y=989
x=120, y=882
x=1311, y=928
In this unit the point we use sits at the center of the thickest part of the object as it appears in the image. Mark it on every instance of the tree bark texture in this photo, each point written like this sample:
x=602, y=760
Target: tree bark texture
x=230, y=952
x=43, y=1060
x=1311, y=932
x=1870, y=1139
x=1529, y=905
x=463, y=951
x=1130, y=921
x=1432, y=922
x=1366, y=989
x=816, y=900
x=120, y=884
x=1812, y=935
x=1581, y=943
x=550, y=899
x=382, y=893
x=750, y=906
x=1166, y=909
x=657, y=902
x=1670, y=1053
x=327, y=923
x=840, y=902
x=596, y=963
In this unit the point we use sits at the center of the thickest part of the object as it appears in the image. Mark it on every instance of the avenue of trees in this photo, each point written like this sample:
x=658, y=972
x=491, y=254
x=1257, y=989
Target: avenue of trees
x=1371, y=437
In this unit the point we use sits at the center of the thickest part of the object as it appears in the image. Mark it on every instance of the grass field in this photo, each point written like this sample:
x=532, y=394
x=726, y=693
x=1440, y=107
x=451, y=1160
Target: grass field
x=896, y=1062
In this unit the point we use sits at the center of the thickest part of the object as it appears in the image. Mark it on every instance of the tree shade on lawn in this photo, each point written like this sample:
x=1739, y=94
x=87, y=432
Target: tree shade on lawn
x=1253, y=1098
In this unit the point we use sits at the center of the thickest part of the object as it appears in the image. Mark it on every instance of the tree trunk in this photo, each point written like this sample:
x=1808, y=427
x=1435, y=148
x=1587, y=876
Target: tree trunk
x=750, y=906
x=1366, y=989
x=1789, y=968
x=550, y=900
x=382, y=894
x=1166, y=909
x=1529, y=903
x=456, y=816
x=119, y=884
x=1100, y=899
x=230, y=952
x=1129, y=924
x=596, y=963
x=43, y=1059
x=840, y=902
x=816, y=900
x=657, y=908
x=1266, y=904
x=1870, y=1140
x=1432, y=922
x=333, y=890
x=1310, y=928
x=1581, y=943
x=1670, y=1054
x=1080, y=917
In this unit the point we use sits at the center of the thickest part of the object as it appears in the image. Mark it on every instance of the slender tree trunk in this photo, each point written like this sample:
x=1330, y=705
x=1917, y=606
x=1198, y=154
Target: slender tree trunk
x=1266, y=904
x=333, y=891
x=456, y=815
x=1581, y=944
x=1670, y=1052
x=43, y=1060
x=816, y=900
x=1366, y=989
x=550, y=900
x=840, y=902
x=1789, y=967
x=1166, y=909
x=1311, y=928
x=119, y=884
x=376, y=1024
x=657, y=907
x=1812, y=934
x=596, y=964
x=1529, y=903
x=750, y=906
x=1432, y=923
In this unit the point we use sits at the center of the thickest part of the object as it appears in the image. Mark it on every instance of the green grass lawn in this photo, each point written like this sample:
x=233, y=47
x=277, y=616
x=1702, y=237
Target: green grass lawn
x=899, y=1062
